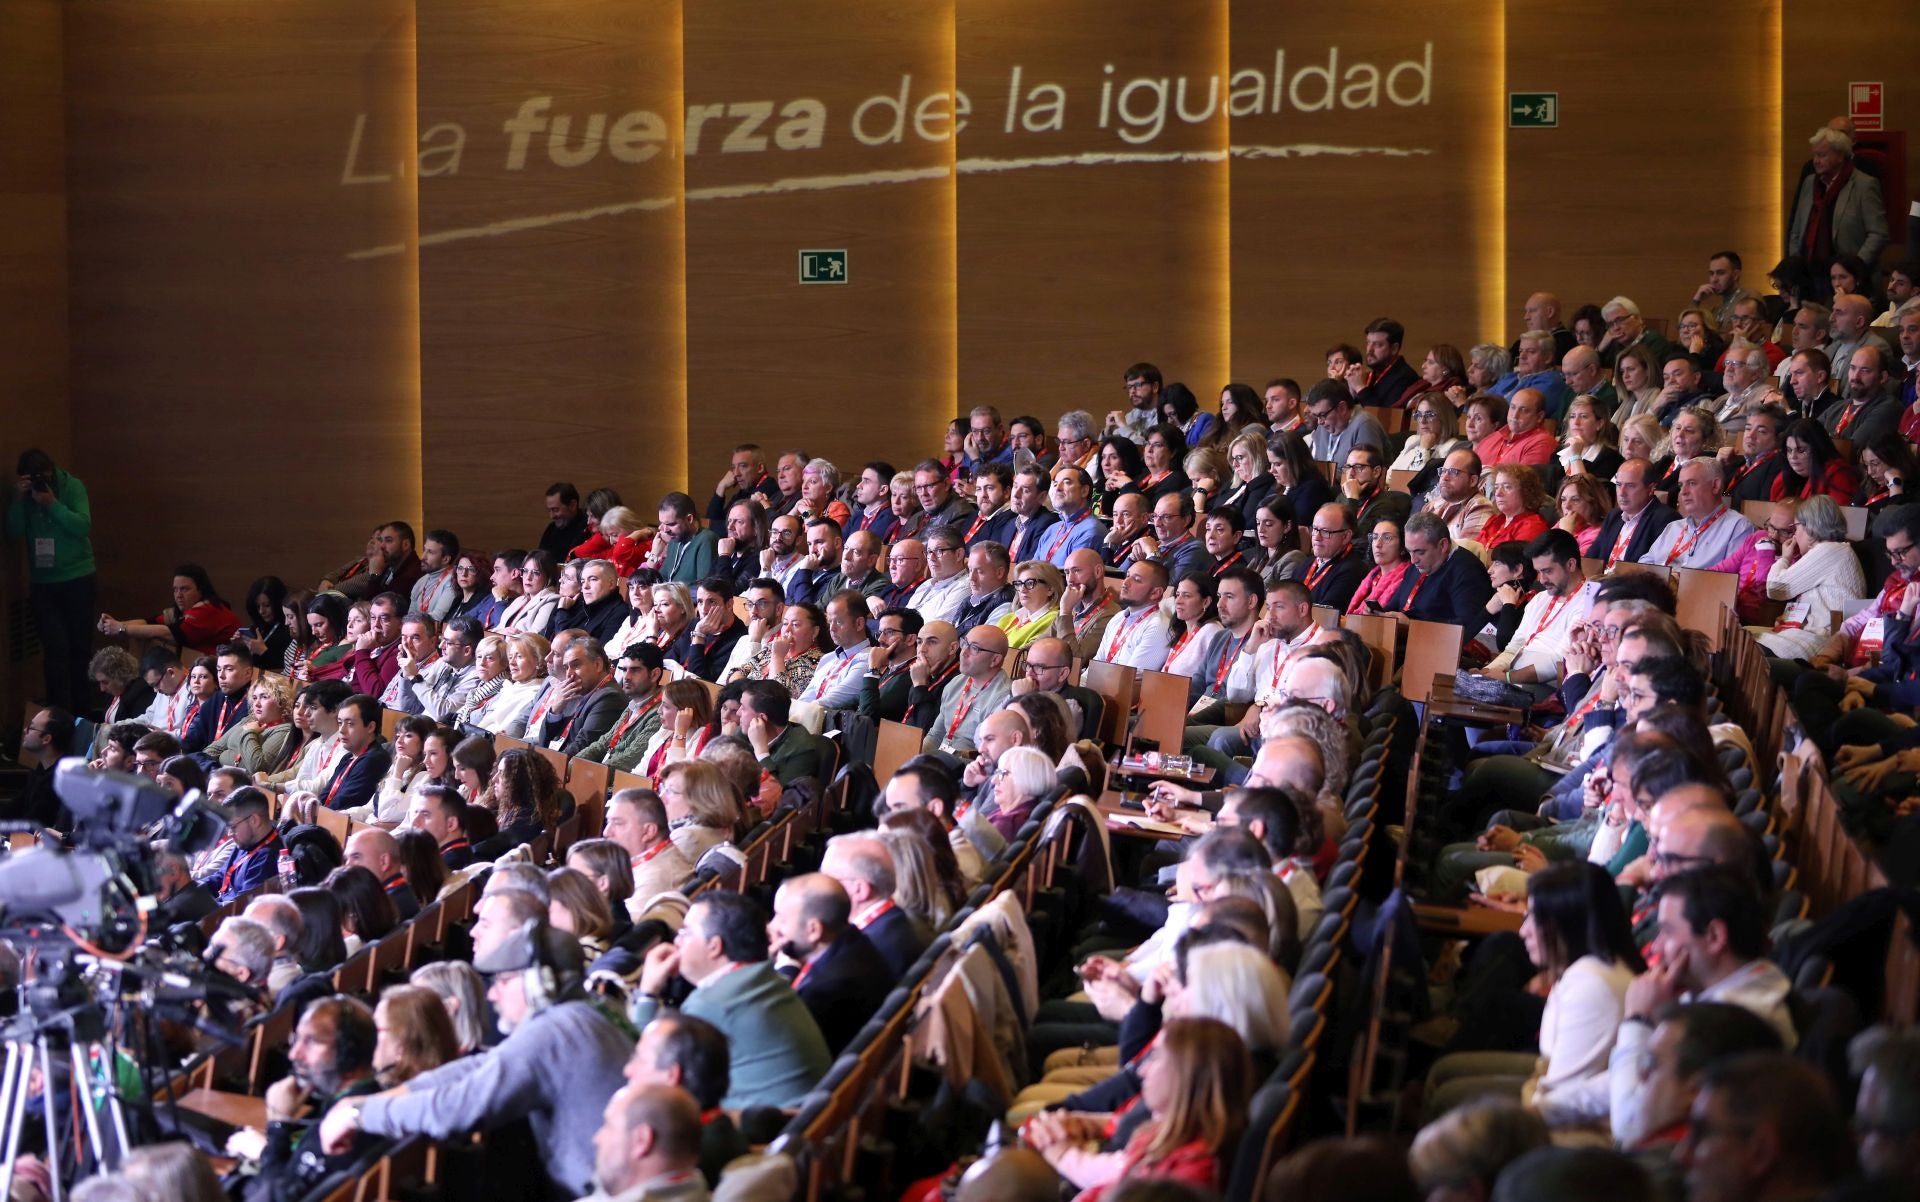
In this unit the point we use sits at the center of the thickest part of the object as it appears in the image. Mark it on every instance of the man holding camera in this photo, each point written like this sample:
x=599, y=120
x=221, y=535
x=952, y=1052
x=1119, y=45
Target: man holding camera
x=51, y=515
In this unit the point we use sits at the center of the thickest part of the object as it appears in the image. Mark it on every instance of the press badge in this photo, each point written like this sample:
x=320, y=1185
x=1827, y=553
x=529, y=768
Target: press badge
x=42, y=552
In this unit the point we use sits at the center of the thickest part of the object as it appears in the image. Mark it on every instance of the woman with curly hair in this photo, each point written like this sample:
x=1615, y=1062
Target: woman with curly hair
x=527, y=801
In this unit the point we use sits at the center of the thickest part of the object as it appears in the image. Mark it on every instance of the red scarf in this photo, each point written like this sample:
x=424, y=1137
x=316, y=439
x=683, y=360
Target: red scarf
x=1817, y=243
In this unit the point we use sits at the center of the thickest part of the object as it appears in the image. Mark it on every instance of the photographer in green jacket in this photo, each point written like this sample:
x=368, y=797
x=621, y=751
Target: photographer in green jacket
x=51, y=516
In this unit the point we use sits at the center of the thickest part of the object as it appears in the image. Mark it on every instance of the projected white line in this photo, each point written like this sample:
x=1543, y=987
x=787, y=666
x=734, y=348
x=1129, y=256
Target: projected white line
x=866, y=179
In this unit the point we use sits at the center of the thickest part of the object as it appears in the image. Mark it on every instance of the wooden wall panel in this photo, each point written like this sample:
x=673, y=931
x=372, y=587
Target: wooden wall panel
x=1381, y=204
x=243, y=393
x=1665, y=153
x=1082, y=251
x=552, y=349
x=1828, y=52
x=846, y=371
x=33, y=283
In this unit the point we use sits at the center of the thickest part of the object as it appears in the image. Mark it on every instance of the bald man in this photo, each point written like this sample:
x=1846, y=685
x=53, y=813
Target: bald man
x=1018, y=1174
x=998, y=732
x=1087, y=605
x=841, y=977
x=865, y=869
x=379, y=853
x=980, y=688
x=648, y=1145
x=1852, y=327
x=1542, y=312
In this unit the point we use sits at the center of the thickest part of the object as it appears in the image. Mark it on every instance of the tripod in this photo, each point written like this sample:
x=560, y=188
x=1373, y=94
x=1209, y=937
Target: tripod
x=31, y=1047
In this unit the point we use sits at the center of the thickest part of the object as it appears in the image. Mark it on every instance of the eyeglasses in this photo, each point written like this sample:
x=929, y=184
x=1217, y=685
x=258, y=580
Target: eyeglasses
x=1024, y=585
x=1453, y=471
x=904, y=559
x=975, y=647
x=1034, y=669
x=1422, y=415
x=1362, y=467
x=886, y=636
x=1381, y=536
x=942, y=551
x=1324, y=533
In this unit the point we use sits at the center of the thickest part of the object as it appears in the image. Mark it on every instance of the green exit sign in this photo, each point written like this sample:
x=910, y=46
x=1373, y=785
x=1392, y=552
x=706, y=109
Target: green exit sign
x=823, y=267
x=1533, y=110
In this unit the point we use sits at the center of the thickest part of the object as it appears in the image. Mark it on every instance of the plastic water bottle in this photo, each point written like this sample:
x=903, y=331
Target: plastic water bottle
x=286, y=870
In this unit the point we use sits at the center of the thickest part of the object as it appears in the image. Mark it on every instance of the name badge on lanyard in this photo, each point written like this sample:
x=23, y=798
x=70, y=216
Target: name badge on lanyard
x=42, y=552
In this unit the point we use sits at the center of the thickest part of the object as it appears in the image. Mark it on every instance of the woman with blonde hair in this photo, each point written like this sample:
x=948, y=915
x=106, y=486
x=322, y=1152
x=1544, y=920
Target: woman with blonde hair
x=490, y=676
x=1252, y=482
x=507, y=713
x=1587, y=441
x=1584, y=506
x=577, y=906
x=413, y=1034
x=703, y=808
x=1640, y=438
x=946, y=885
x=1816, y=573
x=1436, y=431
x=628, y=539
x=917, y=886
x=1037, y=586
x=463, y=995
x=266, y=740
x=1206, y=470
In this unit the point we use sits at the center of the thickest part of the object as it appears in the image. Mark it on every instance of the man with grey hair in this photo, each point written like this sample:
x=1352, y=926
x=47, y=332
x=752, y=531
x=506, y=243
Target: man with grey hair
x=1075, y=435
x=1744, y=373
x=1533, y=368
x=986, y=438
x=243, y=949
x=440, y=687
x=1444, y=583
x=1838, y=210
x=181, y=898
x=282, y=921
x=601, y=610
x=1708, y=530
x=1625, y=328
x=864, y=867
x=1587, y=376
x=585, y=704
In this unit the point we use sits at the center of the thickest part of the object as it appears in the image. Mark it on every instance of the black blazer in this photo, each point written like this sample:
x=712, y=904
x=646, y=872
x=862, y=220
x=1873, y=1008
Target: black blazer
x=134, y=701
x=1457, y=593
x=405, y=901
x=1653, y=519
x=844, y=986
x=897, y=939
x=1341, y=580
x=1391, y=386
x=362, y=779
x=597, y=714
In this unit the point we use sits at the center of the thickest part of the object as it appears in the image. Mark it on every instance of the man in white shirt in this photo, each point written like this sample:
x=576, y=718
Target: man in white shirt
x=944, y=592
x=439, y=688
x=1137, y=636
x=1283, y=633
x=1708, y=530
x=172, y=700
x=836, y=679
x=1533, y=656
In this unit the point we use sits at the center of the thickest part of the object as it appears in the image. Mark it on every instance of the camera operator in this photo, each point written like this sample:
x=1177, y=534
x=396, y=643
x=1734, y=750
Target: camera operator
x=51, y=515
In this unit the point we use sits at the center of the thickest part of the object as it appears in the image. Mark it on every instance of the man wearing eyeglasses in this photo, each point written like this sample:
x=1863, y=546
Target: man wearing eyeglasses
x=1856, y=646
x=1337, y=567
x=47, y=736
x=1363, y=489
x=1587, y=376
x=1045, y=671
x=934, y=489
x=1172, y=542
x=1457, y=499
x=1747, y=384
x=1748, y=323
x=980, y=688
x=439, y=688
x=885, y=684
x=1337, y=426
x=940, y=597
x=1625, y=328
x=906, y=569
x=1074, y=436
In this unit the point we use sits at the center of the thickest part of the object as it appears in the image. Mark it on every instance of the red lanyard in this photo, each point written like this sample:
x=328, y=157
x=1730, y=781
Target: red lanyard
x=966, y=704
x=1625, y=536
x=190, y=713
x=1226, y=563
x=1553, y=607
x=1186, y=637
x=426, y=605
x=838, y=670
x=577, y=711
x=238, y=862
x=1318, y=572
x=1748, y=467
x=1118, y=638
x=455, y=845
x=1226, y=661
x=934, y=684
x=630, y=718
x=646, y=857
x=1846, y=419
x=340, y=777
x=1066, y=531
x=975, y=528
x=1419, y=582
x=874, y=914
x=540, y=711
x=1154, y=478
x=1080, y=624
x=226, y=707
x=1282, y=656
x=1682, y=545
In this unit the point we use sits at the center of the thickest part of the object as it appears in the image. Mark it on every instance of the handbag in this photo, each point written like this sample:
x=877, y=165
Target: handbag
x=1485, y=690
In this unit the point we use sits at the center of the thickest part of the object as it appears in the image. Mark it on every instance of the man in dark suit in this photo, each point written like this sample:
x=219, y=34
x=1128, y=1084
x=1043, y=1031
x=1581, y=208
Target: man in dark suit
x=1337, y=566
x=1638, y=520
x=886, y=683
x=379, y=853
x=182, y=899
x=357, y=776
x=1446, y=583
x=787, y=750
x=992, y=489
x=442, y=813
x=586, y=703
x=864, y=867
x=1048, y=662
x=1385, y=378
x=842, y=978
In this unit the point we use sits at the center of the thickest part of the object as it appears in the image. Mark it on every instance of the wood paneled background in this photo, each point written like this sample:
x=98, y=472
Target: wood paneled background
x=271, y=273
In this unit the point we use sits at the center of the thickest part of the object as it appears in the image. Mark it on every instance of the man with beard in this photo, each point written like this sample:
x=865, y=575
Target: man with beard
x=332, y=1059
x=841, y=977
